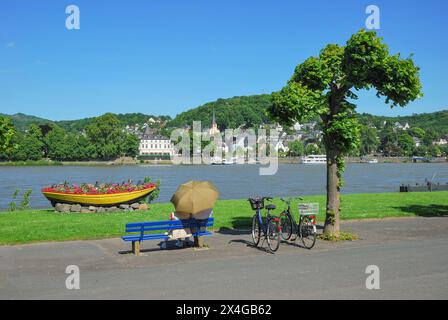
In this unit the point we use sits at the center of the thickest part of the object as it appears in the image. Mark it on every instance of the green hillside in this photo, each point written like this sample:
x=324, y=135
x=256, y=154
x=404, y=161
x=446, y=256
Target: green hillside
x=435, y=121
x=248, y=111
x=22, y=121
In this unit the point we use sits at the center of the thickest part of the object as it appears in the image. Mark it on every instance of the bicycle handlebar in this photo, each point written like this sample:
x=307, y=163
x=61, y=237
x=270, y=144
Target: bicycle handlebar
x=288, y=201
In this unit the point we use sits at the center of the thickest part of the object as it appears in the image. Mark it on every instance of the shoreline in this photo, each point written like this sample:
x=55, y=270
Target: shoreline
x=287, y=160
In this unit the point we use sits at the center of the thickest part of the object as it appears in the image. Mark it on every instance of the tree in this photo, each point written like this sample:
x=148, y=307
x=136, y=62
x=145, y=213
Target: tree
x=55, y=140
x=405, y=143
x=322, y=86
x=369, y=140
x=105, y=135
x=312, y=148
x=29, y=148
x=7, y=132
x=296, y=148
x=417, y=132
x=130, y=145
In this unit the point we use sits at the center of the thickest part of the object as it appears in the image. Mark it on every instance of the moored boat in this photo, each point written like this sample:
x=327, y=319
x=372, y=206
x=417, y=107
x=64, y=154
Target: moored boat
x=314, y=159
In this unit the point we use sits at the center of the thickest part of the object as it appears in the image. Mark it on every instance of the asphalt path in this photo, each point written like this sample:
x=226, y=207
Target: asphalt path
x=411, y=255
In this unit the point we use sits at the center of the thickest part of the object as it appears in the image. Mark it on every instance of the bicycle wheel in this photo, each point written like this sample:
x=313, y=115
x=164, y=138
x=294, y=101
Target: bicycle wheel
x=307, y=232
x=273, y=236
x=287, y=228
x=256, y=230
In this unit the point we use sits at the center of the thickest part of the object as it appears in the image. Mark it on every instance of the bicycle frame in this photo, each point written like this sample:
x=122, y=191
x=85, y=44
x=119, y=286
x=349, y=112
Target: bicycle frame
x=263, y=224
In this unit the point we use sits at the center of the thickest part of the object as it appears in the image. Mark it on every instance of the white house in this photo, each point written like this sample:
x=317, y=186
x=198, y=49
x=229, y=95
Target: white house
x=154, y=145
x=440, y=142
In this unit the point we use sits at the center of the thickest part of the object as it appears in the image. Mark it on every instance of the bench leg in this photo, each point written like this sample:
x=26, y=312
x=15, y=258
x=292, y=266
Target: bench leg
x=136, y=247
x=199, y=242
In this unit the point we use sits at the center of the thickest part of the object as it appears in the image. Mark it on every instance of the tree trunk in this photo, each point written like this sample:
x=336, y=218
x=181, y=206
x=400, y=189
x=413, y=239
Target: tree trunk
x=333, y=195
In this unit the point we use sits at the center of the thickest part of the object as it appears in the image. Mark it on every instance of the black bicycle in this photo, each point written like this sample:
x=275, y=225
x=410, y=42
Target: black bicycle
x=269, y=227
x=305, y=229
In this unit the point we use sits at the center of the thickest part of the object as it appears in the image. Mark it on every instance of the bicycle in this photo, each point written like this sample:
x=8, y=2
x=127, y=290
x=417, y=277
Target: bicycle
x=305, y=229
x=269, y=227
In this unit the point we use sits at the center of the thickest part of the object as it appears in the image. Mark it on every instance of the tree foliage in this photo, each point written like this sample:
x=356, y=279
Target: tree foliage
x=7, y=132
x=230, y=113
x=324, y=87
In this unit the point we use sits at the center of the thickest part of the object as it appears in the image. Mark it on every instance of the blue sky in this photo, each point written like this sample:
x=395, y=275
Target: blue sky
x=164, y=57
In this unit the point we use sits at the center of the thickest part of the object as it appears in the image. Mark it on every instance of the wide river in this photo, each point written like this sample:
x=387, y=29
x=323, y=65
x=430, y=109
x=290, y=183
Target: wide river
x=234, y=182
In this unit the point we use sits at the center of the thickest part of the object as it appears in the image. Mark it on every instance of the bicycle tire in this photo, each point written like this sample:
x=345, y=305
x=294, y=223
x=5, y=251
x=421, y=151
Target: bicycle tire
x=307, y=232
x=256, y=230
x=273, y=235
x=287, y=226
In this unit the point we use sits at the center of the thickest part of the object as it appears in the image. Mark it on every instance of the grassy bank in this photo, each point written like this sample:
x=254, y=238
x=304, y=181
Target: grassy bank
x=30, y=163
x=46, y=225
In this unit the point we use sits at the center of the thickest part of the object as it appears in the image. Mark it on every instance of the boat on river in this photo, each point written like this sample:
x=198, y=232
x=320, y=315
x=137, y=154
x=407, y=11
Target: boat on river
x=314, y=159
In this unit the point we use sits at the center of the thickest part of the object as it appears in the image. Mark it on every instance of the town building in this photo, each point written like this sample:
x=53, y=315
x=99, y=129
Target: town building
x=152, y=144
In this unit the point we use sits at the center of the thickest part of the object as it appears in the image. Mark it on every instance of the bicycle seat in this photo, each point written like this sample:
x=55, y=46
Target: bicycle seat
x=270, y=206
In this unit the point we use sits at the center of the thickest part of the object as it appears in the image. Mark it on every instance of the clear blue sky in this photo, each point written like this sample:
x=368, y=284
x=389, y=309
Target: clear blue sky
x=163, y=57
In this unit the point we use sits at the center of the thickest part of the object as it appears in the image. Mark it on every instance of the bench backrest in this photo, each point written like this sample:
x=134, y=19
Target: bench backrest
x=167, y=225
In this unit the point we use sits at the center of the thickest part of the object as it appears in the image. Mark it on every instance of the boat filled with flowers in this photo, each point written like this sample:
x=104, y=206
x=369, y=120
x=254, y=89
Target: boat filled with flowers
x=99, y=194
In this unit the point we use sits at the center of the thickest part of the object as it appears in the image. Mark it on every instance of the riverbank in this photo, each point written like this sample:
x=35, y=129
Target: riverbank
x=133, y=162
x=45, y=225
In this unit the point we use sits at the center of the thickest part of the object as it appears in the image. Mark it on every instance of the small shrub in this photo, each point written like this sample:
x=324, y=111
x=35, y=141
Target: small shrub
x=25, y=203
x=12, y=204
x=155, y=193
x=343, y=236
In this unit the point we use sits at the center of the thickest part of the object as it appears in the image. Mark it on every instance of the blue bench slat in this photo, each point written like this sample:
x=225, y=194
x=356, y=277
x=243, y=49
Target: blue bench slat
x=145, y=237
x=169, y=223
x=130, y=238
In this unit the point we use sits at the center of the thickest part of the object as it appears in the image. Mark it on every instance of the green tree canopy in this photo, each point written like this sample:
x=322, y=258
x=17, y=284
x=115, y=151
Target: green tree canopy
x=296, y=148
x=324, y=87
x=7, y=132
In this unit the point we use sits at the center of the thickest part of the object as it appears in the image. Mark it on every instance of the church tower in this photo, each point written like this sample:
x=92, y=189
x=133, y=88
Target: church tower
x=214, y=127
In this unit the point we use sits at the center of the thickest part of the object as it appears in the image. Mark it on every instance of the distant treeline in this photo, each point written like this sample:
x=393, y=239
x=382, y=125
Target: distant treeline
x=102, y=139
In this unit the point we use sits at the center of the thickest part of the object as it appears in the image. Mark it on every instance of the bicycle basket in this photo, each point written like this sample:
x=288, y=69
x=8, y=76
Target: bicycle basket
x=256, y=203
x=308, y=209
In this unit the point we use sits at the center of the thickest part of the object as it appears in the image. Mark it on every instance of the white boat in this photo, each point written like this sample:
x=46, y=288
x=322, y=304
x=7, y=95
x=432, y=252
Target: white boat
x=230, y=161
x=372, y=161
x=314, y=159
x=220, y=161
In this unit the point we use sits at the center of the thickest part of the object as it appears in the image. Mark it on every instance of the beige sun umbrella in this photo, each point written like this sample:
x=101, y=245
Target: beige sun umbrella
x=194, y=197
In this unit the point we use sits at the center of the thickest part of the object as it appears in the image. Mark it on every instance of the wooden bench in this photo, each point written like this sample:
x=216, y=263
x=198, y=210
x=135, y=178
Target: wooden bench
x=141, y=230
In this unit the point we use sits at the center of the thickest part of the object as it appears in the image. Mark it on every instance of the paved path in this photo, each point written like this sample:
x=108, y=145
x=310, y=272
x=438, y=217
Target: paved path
x=412, y=254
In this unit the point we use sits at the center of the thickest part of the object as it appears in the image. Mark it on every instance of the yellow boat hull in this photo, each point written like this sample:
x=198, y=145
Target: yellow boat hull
x=98, y=199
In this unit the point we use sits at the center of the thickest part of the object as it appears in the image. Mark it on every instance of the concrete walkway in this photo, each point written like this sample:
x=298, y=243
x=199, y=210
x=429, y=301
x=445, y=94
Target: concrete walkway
x=411, y=253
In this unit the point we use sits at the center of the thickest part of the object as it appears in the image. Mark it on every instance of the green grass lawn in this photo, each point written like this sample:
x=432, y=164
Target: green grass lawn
x=45, y=225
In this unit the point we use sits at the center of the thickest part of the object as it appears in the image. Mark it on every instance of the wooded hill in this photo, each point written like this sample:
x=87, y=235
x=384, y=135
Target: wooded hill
x=247, y=111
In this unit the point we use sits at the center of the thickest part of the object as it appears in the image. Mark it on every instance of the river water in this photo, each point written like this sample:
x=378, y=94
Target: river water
x=234, y=181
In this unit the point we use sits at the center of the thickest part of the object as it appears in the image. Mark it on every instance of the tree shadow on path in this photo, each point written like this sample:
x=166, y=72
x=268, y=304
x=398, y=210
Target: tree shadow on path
x=433, y=210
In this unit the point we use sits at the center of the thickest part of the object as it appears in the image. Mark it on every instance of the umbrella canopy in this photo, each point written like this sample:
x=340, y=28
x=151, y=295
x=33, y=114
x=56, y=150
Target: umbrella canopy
x=194, y=197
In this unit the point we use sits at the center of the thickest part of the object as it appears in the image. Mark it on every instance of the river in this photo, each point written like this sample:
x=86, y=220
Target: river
x=234, y=181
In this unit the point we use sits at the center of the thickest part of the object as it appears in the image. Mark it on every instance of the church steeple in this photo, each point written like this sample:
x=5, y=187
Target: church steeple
x=214, y=127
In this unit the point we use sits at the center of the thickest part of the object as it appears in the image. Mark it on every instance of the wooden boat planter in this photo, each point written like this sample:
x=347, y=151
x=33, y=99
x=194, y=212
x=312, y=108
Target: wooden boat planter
x=111, y=198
